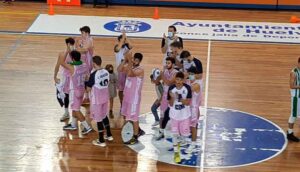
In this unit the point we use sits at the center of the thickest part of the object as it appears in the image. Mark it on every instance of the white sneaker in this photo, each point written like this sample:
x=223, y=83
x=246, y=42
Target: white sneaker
x=110, y=138
x=64, y=117
x=97, y=143
x=155, y=123
x=190, y=149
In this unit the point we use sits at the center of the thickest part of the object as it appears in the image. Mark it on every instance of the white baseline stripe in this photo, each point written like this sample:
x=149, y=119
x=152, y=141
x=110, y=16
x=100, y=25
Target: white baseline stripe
x=205, y=107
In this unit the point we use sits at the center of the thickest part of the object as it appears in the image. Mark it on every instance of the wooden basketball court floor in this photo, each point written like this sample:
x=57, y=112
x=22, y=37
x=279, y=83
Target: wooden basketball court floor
x=251, y=77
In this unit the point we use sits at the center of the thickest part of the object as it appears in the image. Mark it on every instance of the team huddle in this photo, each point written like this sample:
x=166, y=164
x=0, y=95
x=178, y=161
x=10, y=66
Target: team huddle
x=178, y=85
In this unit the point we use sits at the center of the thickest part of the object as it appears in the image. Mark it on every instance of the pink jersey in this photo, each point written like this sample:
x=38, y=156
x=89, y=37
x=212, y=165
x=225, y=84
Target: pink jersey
x=66, y=74
x=100, y=92
x=99, y=96
x=133, y=89
x=65, y=71
x=87, y=57
x=164, y=102
x=78, y=78
x=169, y=74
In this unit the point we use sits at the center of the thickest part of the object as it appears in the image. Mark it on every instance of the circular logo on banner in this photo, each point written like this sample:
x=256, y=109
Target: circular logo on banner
x=129, y=26
x=232, y=139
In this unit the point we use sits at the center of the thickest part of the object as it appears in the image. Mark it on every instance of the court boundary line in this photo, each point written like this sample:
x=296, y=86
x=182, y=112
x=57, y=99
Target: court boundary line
x=203, y=142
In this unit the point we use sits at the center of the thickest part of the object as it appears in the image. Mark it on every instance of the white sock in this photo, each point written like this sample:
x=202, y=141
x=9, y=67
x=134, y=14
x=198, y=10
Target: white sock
x=175, y=139
x=290, y=131
x=74, y=122
x=85, y=124
x=193, y=143
x=175, y=148
x=66, y=111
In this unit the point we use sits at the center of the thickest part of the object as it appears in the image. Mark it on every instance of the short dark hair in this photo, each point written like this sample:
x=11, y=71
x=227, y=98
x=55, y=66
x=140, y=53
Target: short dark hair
x=138, y=56
x=151, y=76
x=192, y=69
x=176, y=44
x=171, y=59
x=120, y=37
x=85, y=29
x=173, y=27
x=75, y=55
x=70, y=41
x=97, y=60
x=109, y=66
x=185, y=54
x=179, y=75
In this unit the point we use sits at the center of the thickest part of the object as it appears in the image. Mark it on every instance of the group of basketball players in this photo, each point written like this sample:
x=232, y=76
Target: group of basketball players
x=178, y=86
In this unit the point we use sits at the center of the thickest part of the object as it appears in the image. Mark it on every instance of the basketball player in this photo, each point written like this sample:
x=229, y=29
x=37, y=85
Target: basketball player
x=132, y=92
x=168, y=78
x=188, y=61
x=99, y=96
x=121, y=48
x=295, y=101
x=112, y=87
x=167, y=41
x=176, y=49
x=195, y=85
x=64, y=57
x=155, y=79
x=78, y=72
x=85, y=45
x=179, y=96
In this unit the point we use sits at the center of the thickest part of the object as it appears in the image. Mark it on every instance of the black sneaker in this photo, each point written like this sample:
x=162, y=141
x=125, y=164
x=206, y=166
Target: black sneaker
x=141, y=132
x=293, y=138
x=132, y=141
x=69, y=127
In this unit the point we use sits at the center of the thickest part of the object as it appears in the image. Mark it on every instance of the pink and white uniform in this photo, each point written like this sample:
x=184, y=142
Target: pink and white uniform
x=99, y=96
x=132, y=97
x=164, y=102
x=77, y=86
x=179, y=113
x=66, y=74
x=195, y=104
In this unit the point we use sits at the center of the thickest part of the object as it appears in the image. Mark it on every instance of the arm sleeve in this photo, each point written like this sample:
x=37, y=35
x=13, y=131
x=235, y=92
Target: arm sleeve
x=198, y=66
x=189, y=95
x=91, y=80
